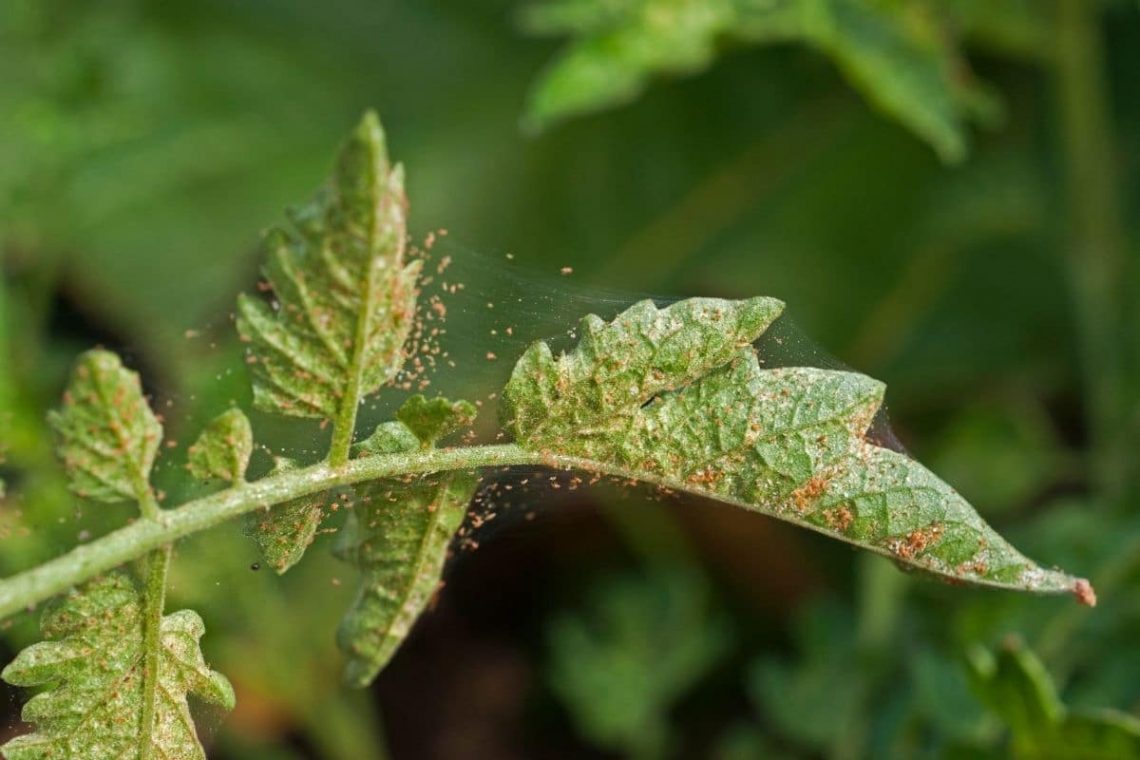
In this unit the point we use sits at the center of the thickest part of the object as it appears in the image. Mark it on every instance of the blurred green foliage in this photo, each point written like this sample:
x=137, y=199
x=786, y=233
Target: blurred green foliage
x=143, y=143
x=1015, y=685
x=903, y=56
x=640, y=643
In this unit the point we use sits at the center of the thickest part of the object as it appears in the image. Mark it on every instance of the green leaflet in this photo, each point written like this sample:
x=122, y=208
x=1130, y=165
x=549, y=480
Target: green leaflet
x=223, y=449
x=92, y=666
x=670, y=396
x=900, y=55
x=431, y=420
x=398, y=534
x=285, y=532
x=107, y=435
x=344, y=299
x=1016, y=686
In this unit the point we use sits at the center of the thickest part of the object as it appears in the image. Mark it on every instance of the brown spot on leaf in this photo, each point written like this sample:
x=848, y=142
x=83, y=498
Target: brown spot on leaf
x=806, y=495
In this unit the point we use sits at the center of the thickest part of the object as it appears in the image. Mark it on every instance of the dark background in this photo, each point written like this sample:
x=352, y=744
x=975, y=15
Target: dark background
x=143, y=145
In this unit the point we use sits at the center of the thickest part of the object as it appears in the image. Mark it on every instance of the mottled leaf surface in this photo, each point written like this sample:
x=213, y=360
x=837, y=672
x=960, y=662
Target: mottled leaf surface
x=343, y=298
x=430, y=420
x=286, y=531
x=398, y=534
x=901, y=56
x=677, y=398
x=1015, y=685
x=597, y=391
x=107, y=435
x=223, y=449
x=92, y=669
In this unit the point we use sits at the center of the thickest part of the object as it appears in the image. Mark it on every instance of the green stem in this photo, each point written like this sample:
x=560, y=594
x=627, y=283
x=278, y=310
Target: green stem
x=1096, y=235
x=33, y=586
x=155, y=601
x=146, y=535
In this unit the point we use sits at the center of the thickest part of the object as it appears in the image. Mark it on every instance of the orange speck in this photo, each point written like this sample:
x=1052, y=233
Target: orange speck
x=1084, y=592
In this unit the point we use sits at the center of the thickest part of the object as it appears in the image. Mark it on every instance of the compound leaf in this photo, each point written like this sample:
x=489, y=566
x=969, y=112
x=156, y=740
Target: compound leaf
x=398, y=534
x=107, y=435
x=286, y=531
x=344, y=300
x=92, y=665
x=223, y=449
x=676, y=397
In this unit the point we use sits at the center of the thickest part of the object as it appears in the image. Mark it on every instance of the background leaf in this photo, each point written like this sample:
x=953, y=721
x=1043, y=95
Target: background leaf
x=1015, y=685
x=635, y=648
x=899, y=55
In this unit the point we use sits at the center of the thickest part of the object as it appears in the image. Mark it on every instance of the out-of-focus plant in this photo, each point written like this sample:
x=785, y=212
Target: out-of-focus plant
x=674, y=397
x=1015, y=685
x=905, y=57
x=640, y=644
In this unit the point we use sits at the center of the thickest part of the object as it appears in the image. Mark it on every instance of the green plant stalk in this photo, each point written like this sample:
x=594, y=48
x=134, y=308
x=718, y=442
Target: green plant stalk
x=1096, y=236
x=146, y=535
x=33, y=586
x=345, y=423
x=155, y=601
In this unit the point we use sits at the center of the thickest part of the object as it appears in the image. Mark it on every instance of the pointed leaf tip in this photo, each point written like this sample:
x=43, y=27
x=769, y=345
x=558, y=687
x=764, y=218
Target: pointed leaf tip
x=344, y=300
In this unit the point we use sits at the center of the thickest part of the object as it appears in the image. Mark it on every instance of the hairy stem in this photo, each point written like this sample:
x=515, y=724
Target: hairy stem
x=155, y=601
x=84, y=562
x=146, y=535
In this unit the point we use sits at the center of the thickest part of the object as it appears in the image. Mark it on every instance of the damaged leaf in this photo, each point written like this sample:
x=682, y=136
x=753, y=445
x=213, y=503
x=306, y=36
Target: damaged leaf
x=677, y=397
x=92, y=667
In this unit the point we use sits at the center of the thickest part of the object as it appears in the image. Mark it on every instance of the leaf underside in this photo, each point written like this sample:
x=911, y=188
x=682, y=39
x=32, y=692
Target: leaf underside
x=107, y=436
x=677, y=397
x=398, y=534
x=898, y=55
x=344, y=301
x=92, y=665
x=286, y=531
